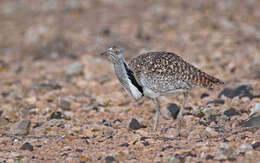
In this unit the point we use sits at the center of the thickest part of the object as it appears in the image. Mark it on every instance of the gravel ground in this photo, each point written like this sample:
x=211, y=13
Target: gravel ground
x=61, y=102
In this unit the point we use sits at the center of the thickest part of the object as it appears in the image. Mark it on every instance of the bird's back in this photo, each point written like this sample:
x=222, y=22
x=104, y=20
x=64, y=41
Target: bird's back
x=165, y=72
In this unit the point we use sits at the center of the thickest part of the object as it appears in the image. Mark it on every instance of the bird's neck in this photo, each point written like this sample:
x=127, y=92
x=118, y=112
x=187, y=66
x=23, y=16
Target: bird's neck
x=127, y=79
x=120, y=70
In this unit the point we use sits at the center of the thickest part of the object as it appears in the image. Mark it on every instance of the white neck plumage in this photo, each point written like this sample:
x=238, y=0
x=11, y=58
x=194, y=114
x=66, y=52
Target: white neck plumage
x=127, y=79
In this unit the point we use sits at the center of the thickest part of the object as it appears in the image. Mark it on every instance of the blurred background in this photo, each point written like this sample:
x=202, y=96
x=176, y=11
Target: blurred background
x=226, y=32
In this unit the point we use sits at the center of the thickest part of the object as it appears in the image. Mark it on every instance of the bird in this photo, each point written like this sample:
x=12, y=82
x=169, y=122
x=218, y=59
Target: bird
x=158, y=73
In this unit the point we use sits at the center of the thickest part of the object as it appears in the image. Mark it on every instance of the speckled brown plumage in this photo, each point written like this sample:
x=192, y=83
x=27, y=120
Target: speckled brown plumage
x=166, y=71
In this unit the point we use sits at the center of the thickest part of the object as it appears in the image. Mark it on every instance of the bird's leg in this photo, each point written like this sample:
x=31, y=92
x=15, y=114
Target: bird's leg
x=180, y=115
x=157, y=109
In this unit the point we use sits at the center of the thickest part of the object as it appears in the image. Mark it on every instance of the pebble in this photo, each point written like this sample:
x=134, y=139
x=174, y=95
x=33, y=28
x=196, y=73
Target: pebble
x=110, y=159
x=67, y=115
x=22, y=128
x=255, y=110
x=223, y=153
x=211, y=132
x=218, y=101
x=245, y=147
x=106, y=123
x=135, y=125
x=64, y=105
x=3, y=65
x=166, y=148
x=108, y=132
x=175, y=159
x=253, y=121
x=4, y=121
x=146, y=143
x=122, y=156
x=256, y=146
x=231, y=112
x=241, y=91
x=73, y=69
x=174, y=110
x=54, y=122
x=203, y=95
x=27, y=146
x=57, y=115
x=124, y=145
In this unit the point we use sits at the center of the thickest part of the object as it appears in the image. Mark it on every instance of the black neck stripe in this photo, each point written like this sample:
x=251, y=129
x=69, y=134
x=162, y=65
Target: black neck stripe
x=130, y=75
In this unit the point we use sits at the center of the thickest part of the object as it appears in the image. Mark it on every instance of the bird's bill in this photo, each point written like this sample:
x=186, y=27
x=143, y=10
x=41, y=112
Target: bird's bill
x=108, y=55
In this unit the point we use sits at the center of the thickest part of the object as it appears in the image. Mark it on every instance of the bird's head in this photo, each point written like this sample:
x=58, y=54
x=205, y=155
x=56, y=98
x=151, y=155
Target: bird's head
x=114, y=54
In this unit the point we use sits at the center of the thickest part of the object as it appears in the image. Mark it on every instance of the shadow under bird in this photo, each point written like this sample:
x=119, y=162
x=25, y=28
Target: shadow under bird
x=155, y=74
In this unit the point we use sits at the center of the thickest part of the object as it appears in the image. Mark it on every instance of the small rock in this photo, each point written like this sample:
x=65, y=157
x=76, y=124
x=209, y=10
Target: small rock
x=75, y=68
x=135, y=125
x=167, y=147
x=48, y=86
x=65, y=105
x=145, y=143
x=256, y=146
x=54, y=122
x=175, y=159
x=253, y=121
x=106, y=31
x=3, y=65
x=110, y=159
x=255, y=110
x=224, y=153
x=213, y=118
x=231, y=112
x=107, y=123
x=203, y=95
x=174, y=110
x=27, y=146
x=241, y=91
x=38, y=124
x=124, y=145
x=218, y=101
x=22, y=128
x=209, y=157
x=4, y=121
x=245, y=147
x=79, y=150
x=108, y=132
x=57, y=115
x=67, y=115
x=121, y=156
x=211, y=132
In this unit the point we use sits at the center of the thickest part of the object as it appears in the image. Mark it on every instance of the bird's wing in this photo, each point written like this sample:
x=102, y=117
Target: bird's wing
x=170, y=68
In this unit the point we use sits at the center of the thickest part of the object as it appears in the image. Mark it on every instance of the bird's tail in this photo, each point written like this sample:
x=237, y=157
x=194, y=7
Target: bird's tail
x=209, y=81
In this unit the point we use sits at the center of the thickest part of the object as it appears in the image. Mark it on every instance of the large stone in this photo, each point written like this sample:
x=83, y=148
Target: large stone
x=27, y=146
x=241, y=91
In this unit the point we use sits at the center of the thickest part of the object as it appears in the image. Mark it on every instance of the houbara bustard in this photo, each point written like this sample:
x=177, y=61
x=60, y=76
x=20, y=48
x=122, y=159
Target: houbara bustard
x=158, y=73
